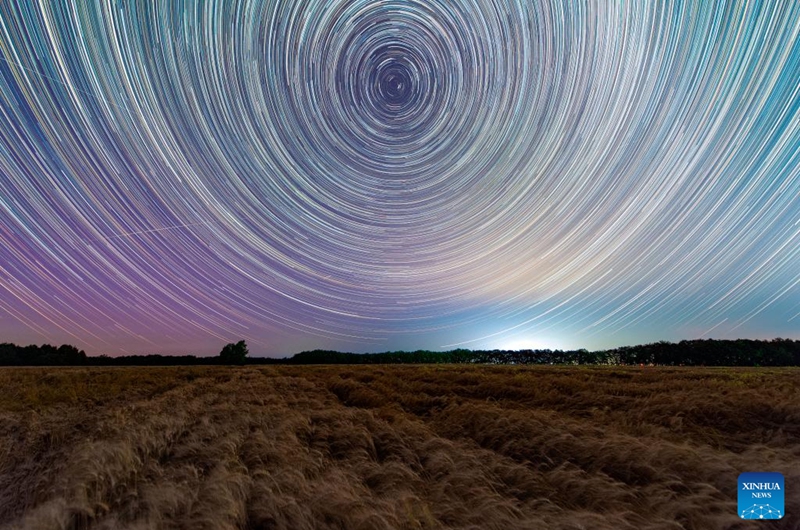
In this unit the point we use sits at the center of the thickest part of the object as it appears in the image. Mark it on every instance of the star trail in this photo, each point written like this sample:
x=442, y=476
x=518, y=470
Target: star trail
x=379, y=175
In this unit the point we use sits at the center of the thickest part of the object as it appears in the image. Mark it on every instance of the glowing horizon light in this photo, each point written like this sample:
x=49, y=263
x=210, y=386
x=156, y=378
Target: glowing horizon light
x=529, y=344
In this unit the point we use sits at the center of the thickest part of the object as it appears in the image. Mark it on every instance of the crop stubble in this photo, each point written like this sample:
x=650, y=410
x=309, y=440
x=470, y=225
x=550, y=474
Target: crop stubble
x=379, y=447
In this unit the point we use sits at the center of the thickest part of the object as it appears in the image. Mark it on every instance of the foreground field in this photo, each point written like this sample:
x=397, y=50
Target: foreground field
x=379, y=447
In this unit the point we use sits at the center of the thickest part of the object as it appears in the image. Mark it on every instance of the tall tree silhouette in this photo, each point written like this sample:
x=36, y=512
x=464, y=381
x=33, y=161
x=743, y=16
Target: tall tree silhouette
x=234, y=353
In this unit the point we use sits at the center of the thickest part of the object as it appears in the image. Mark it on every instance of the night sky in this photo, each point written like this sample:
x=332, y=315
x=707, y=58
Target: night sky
x=383, y=175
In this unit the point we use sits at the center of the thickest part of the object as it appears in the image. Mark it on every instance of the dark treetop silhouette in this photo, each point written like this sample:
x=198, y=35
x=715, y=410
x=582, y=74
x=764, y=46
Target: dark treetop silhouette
x=741, y=352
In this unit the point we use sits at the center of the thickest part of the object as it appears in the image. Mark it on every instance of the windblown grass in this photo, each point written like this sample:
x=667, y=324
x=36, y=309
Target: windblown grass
x=383, y=447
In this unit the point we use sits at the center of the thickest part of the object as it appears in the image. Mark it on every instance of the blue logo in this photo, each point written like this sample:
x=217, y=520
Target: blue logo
x=761, y=496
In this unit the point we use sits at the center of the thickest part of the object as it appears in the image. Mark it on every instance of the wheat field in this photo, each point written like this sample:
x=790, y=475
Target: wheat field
x=384, y=447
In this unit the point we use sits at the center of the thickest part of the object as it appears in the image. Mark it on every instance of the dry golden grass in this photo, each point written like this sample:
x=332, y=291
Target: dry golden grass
x=382, y=447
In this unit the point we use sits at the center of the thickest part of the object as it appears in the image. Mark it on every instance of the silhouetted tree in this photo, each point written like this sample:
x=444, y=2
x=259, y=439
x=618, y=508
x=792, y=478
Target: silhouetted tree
x=234, y=353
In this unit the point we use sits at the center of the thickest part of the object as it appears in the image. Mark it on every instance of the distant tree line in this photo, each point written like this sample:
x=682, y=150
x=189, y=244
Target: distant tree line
x=709, y=352
x=741, y=352
x=45, y=355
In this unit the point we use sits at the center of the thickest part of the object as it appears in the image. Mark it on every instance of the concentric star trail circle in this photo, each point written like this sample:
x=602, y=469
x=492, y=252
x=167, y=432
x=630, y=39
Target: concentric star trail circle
x=396, y=174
